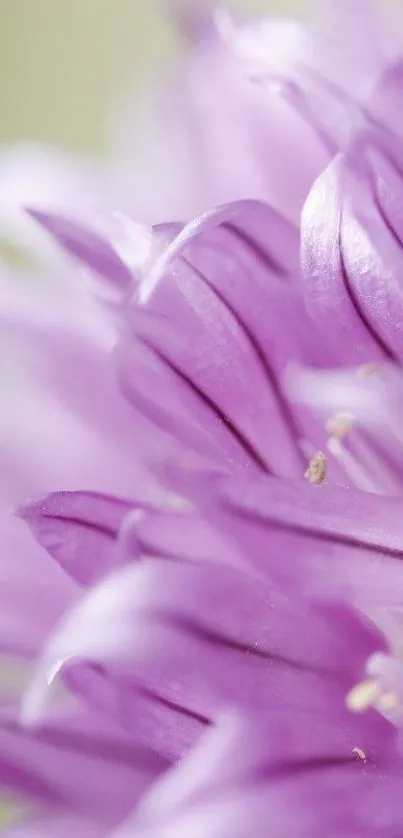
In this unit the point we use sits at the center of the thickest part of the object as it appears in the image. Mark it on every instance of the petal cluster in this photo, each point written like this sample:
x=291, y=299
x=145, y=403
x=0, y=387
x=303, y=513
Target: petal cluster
x=211, y=614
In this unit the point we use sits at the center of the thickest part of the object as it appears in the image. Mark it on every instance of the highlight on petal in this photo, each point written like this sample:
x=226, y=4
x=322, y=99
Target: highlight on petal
x=79, y=530
x=352, y=234
x=331, y=296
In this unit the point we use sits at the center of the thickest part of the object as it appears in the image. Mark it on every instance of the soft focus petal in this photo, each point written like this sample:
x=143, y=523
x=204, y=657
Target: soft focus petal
x=60, y=824
x=76, y=762
x=61, y=396
x=321, y=790
x=279, y=97
x=195, y=637
x=212, y=105
x=86, y=246
x=34, y=591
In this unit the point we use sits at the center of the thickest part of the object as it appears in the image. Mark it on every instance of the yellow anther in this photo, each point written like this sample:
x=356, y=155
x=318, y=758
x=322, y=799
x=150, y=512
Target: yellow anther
x=339, y=424
x=363, y=695
x=317, y=469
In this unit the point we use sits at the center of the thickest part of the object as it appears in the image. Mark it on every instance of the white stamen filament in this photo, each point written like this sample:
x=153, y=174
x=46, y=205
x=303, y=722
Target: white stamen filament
x=375, y=465
x=339, y=425
x=359, y=476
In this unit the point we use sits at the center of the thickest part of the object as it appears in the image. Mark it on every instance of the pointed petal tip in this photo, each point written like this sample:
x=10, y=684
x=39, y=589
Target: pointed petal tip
x=29, y=509
x=36, y=213
x=38, y=695
x=92, y=248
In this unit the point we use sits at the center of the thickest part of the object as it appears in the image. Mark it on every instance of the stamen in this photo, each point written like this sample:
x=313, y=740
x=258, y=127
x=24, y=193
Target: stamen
x=339, y=425
x=360, y=754
x=363, y=695
x=387, y=702
x=317, y=469
x=352, y=468
x=370, y=693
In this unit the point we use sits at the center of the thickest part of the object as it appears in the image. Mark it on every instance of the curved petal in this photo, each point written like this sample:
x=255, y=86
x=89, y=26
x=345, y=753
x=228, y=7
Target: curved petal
x=352, y=233
x=198, y=636
x=208, y=331
x=331, y=296
x=240, y=781
x=79, y=530
x=373, y=244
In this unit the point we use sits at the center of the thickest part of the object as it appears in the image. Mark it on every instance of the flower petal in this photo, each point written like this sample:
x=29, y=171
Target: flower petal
x=76, y=762
x=79, y=530
x=209, y=334
x=331, y=296
x=33, y=591
x=239, y=781
x=86, y=245
x=333, y=541
x=197, y=636
x=352, y=233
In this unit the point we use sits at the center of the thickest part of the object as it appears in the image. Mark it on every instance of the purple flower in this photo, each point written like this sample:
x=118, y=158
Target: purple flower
x=188, y=644
x=78, y=768
x=255, y=110
x=279, y=778
x=227, y=577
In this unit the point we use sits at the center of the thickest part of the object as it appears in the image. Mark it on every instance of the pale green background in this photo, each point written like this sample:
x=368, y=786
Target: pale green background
x=62, y=62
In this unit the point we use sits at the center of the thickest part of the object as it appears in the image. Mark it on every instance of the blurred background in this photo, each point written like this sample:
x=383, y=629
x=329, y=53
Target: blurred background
x=63, y=64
